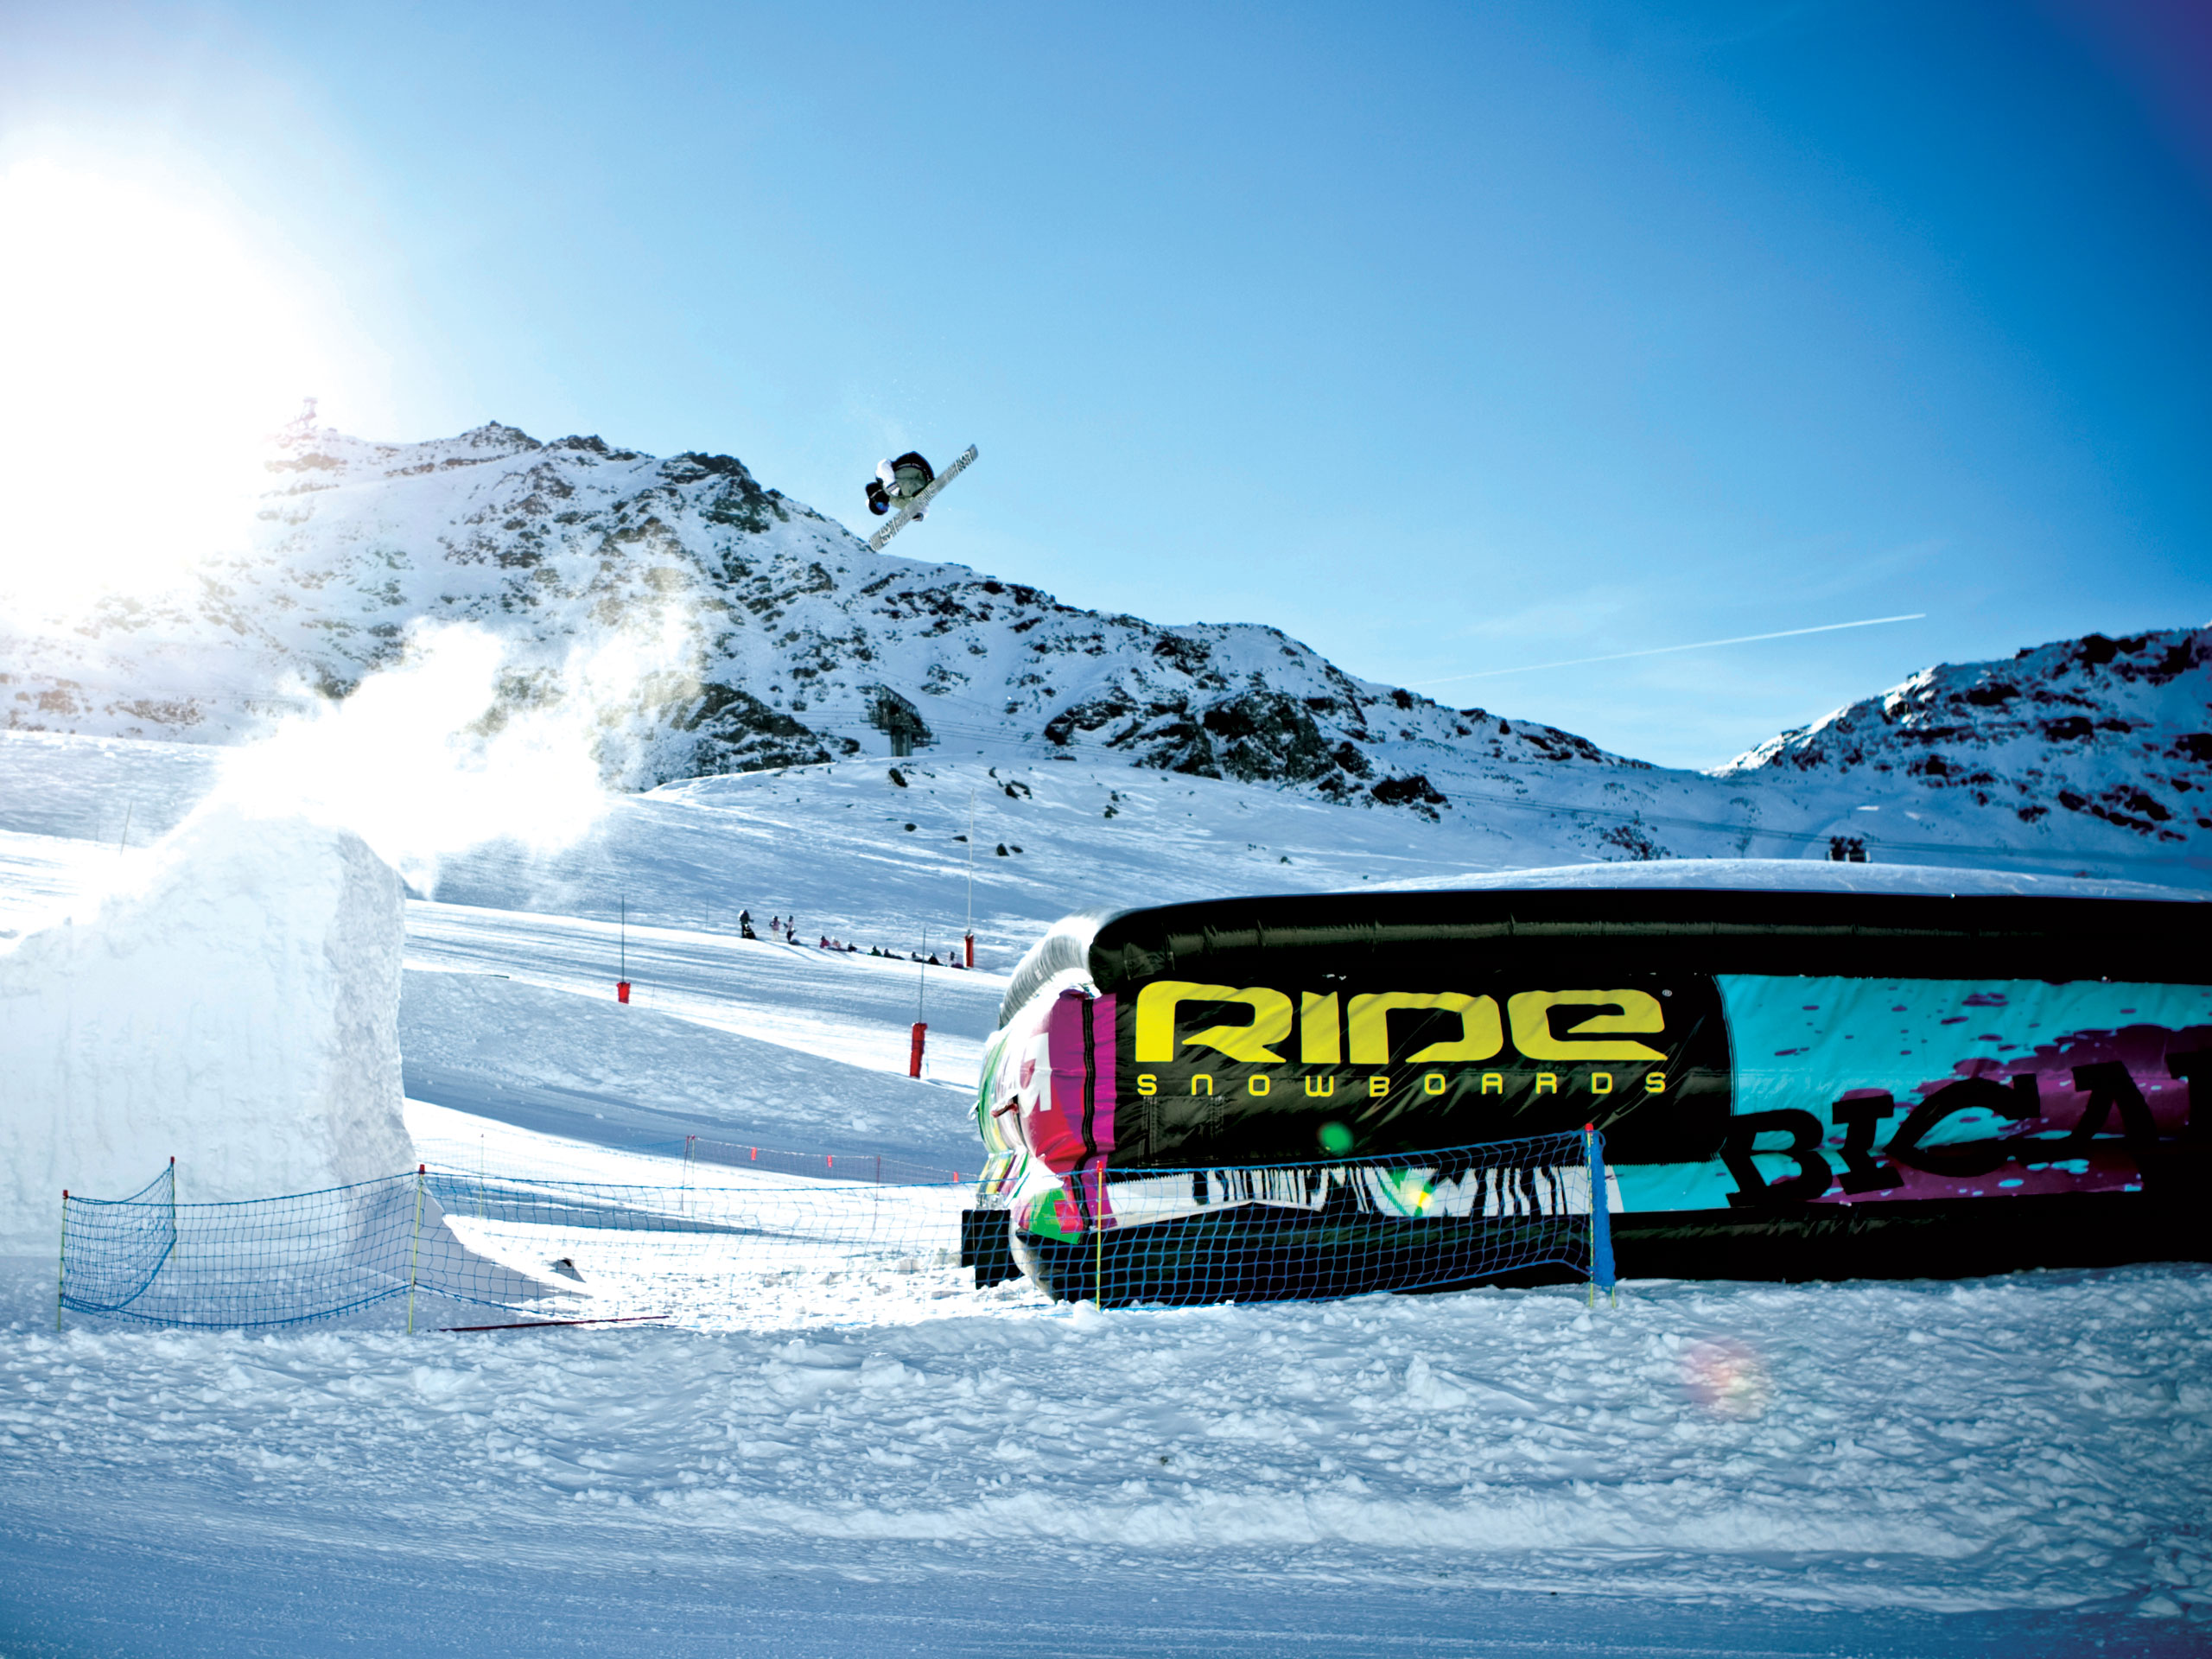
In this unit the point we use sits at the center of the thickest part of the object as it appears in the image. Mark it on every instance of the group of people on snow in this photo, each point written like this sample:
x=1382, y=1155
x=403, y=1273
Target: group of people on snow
x=786, y=929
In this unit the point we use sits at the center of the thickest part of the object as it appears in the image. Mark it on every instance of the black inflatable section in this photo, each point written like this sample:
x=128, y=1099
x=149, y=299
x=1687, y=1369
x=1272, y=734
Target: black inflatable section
x=1669, y=931
x=1951, y=1239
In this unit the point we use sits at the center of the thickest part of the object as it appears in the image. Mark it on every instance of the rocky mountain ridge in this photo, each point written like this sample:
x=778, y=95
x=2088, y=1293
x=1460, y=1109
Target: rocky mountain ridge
x=2112, y=728
x=717, y=626
x=776, y=638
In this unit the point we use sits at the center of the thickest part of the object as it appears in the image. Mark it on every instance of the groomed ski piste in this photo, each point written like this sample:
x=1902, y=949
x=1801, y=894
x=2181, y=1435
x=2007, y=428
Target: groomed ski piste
x=913, y=1464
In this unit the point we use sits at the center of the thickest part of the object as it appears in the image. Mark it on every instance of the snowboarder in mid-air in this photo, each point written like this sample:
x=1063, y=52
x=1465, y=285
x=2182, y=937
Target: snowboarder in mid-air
x=897, y=482
x=906, y=488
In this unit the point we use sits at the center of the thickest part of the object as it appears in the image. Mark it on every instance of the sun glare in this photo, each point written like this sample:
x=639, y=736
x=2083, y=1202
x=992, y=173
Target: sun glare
x=144, y=357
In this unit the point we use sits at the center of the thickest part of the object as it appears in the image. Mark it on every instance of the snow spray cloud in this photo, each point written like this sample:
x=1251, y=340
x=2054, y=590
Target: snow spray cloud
x=454, y=746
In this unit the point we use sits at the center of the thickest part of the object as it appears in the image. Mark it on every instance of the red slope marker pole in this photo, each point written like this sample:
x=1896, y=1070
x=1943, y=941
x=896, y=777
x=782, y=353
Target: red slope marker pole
x=914, y=1058
x=622, y=979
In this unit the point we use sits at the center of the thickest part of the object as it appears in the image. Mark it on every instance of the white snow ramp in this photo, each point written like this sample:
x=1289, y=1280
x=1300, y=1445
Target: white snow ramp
x=238, y=1010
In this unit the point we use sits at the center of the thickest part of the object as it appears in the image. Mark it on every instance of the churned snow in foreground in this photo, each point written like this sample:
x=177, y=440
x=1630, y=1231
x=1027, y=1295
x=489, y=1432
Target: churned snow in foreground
x=2037, y=1442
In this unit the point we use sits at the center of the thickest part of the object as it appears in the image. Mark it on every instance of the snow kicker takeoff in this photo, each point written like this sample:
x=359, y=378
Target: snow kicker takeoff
x=906, y=486
x=1789, y=1084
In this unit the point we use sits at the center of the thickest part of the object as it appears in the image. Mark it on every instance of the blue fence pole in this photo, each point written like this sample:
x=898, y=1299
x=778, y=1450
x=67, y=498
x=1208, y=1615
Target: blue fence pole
x=62, y=1273
x=1601, y=1220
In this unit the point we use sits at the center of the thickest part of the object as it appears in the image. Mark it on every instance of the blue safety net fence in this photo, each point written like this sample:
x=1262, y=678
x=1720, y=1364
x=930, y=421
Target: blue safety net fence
x=729, y=1245
x=447, y=1247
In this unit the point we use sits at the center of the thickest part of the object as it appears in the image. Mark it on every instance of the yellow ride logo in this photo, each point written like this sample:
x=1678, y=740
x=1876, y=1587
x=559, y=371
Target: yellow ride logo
x=1584, y=1029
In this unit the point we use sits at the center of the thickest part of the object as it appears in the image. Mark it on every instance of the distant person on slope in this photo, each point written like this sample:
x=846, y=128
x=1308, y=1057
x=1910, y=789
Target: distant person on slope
x=897, y=482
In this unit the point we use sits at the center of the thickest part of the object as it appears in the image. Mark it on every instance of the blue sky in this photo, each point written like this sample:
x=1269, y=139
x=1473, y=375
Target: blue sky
x=1449, y=338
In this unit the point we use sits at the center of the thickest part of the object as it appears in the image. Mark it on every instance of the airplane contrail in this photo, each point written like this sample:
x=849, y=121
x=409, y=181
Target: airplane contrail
x=1660, y=650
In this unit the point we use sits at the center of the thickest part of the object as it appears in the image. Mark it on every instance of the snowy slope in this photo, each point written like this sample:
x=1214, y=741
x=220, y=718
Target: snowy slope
x=829, y=844
x=730, y=1040
x=710, y=626
x=1892, y=1468
x=806, y=1050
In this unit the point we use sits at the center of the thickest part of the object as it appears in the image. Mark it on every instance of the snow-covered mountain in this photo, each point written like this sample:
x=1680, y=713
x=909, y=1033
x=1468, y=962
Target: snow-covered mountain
x=766, y=633
x=2115, y=730
x=721, y=627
